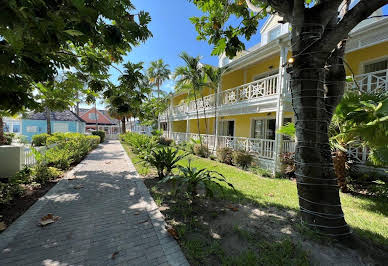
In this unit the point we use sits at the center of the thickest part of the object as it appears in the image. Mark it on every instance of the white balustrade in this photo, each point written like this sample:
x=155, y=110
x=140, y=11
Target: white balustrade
x=370, y=82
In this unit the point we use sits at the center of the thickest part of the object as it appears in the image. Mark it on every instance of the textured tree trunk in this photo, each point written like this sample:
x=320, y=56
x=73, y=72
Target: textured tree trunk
x=196, y=109
x=313, y=105
x=339, y=161
x=123, y=125
x=2, y=138
x=48, y=119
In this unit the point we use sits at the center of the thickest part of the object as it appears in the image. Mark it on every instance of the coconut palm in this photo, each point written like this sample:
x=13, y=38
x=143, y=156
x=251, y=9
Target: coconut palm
x=191, y=79
x=213, y=75
x=158, y=72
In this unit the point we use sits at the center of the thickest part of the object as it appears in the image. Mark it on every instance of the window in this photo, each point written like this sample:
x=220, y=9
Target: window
x=264, y=128
x=6, y=127
x=226, y=128
x=61, y=127
x=376, y=66
x=16, y=128
x=274, y=33
x=93, y=116
x=32, y=129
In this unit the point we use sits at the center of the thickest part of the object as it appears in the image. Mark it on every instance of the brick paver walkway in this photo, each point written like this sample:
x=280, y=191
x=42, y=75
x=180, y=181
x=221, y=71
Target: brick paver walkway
x=107, y=217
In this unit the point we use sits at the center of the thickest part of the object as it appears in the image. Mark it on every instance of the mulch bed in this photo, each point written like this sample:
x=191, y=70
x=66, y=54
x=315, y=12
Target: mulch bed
x=18, y=206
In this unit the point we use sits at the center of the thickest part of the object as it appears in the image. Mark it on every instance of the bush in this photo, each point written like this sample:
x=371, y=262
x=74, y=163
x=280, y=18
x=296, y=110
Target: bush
x=225, y=155
x=242, y=158
x=94, y=141
x=101, y=134
x=288, y=164
x=44, y=173
x=157, y=133
x=8, y=138
x=164, y=160
x=201, y=150
x=165, y=141
x=40, y=139
x=140, y=144
x=8, y=191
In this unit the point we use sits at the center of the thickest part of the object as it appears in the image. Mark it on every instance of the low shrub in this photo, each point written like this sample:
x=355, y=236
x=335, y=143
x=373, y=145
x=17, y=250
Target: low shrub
x=261, y=171
x=157, y=133
x=8, y=138
x=43, y=173
x=94, y=141
x=165, y=141
x=140, y=144
x=201, y=150
x=287, y=160
x=242, y=158
x=40, y=139
x=8, y=191
x=164, y=160
x=101, y=134
x=225, y=155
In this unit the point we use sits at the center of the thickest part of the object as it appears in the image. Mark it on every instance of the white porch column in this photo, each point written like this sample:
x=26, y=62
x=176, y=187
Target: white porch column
x=280, y=106
x=217, y=116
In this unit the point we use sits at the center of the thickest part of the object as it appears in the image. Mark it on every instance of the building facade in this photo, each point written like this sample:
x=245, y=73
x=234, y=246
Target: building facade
x=254, y=99
x=66, y=121
x=100, y=120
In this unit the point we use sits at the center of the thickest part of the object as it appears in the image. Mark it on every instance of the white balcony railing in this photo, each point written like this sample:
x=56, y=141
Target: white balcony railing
x=254, y=90
x=370, y=82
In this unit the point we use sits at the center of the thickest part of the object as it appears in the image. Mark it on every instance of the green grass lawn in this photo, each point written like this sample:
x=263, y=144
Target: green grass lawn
x=367, y=216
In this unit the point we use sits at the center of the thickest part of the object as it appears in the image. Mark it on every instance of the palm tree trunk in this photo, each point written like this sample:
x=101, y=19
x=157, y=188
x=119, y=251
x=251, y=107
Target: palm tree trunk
x=2, y=138
x=339, y=161
x=206, y=127
x=196, y=109
x=48, y=119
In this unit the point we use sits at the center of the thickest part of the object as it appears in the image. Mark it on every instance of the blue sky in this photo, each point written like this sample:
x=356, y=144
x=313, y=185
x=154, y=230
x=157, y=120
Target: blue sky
x=173, y=33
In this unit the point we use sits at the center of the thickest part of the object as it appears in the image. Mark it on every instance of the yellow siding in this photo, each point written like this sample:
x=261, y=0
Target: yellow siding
x=179, y=126
x=202, y=126
x=242, y=123
x=269, y=64
x=356, y=58
x=178, y=99
x=233, y=79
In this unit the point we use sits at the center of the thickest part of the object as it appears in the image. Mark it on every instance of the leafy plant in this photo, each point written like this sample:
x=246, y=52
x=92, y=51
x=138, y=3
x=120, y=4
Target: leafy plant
x=242, y=158
x=164, y=160
x=287, y=130
x=8, y=137
x=101, y=134
x=288, y=163
x=39, y=139
x=190, y=178
x=201, y=150
x=165, y=141
x=225, y=155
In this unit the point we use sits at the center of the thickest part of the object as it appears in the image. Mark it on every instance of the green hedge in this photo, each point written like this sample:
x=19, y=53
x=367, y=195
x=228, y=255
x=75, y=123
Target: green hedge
x=101, y=134
x=40, y=139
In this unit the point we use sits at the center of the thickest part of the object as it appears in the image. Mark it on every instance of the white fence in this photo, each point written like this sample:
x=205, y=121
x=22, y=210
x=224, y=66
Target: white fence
x=370, y=82
x=28, y=157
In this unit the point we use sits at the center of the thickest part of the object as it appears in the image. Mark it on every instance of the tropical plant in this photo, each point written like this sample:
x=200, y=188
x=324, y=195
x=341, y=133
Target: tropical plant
x=201, y=150
x=39, y=139
x=101, y=134
x=191, y=178
x=242, y=158
x=190, y=78
x=225, y=155
x=288, y=130
x=158, y=72
x=164, y=160
x=317, y=80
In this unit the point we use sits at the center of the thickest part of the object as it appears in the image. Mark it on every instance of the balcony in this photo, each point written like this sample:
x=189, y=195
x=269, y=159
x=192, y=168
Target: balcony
x=260, y=91
x=262, y=94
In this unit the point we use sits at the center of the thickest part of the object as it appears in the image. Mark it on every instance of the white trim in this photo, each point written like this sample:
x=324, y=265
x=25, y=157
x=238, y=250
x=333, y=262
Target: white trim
x=272, y=72
x=227, y=120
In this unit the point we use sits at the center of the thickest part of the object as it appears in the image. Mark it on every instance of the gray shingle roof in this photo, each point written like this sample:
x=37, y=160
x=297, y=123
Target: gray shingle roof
x=55, y=116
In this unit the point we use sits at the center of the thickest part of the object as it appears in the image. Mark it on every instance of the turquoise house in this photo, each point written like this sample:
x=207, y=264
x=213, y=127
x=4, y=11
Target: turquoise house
x=66, y=121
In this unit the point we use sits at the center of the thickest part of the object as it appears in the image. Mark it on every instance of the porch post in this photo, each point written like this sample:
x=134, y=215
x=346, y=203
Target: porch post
x=216, y=115
x=282, y=81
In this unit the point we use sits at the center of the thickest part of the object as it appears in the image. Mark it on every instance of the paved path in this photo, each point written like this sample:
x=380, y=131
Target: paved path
x=112, y=213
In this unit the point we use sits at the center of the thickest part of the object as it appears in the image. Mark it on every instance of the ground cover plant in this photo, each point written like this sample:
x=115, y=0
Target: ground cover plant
x=264, y=211
x=19, y=192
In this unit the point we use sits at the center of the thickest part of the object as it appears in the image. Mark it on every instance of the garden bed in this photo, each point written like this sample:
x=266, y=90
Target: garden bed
x=260, y=224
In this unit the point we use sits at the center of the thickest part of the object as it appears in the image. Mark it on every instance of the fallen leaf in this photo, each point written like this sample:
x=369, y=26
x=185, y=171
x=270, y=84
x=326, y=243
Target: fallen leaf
x=48, y=219
x=78, y=186
x=232, y=208
x=114, y=255
x=3, y=226
x=173, y=233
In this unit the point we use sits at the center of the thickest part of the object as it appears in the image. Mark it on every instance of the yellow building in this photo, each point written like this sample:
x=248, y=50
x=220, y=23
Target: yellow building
x=254, y=99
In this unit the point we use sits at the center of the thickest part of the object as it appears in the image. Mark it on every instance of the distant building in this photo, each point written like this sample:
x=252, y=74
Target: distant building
x=36, y=123
x=99, y=120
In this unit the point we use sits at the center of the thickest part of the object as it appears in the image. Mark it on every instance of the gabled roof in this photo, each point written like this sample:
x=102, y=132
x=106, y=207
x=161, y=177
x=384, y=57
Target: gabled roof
x=103, y=117
x=66, y=115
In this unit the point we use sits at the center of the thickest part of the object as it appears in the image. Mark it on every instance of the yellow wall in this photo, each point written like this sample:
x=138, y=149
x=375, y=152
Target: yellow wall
x=178, y=99
x=179, y=126
x=356, y=58
x=269, y=64
x=202, y=127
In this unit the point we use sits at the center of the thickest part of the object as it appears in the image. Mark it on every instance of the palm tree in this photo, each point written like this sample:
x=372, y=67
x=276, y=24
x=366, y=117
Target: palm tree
x=360, y=118
x=190, y=76
x=158, y=72
x=214, y=75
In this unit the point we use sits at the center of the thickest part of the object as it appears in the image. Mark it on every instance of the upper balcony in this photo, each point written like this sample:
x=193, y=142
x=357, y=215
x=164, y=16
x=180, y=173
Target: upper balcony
x=261, y=96
x=263, y=91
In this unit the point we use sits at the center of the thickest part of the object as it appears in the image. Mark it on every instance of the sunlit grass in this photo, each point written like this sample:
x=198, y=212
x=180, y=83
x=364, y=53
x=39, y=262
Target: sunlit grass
x=367, y=216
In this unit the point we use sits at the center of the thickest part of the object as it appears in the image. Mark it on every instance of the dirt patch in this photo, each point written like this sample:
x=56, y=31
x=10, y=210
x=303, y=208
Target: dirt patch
x=18, y=206
x=214, y=232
